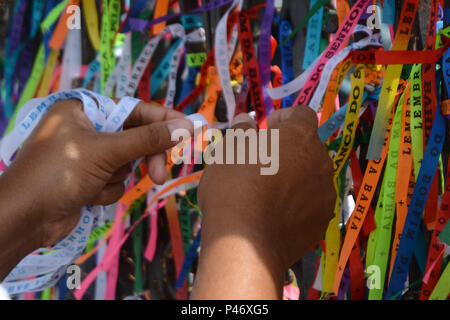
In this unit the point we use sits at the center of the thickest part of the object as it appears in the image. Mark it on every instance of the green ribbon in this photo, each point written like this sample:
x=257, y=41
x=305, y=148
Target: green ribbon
x=137, y=249
x=384, y=226
x=31, y=86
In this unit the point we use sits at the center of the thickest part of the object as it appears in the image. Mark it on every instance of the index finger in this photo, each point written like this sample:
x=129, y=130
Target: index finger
x=145, y=113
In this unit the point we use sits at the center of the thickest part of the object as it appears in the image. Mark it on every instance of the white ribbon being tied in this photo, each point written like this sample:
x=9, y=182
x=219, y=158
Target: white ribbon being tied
x=223, y=53
x=71, y=64
x=48, y=265
x=141, y=63
x=372, y=40
x=299, y=82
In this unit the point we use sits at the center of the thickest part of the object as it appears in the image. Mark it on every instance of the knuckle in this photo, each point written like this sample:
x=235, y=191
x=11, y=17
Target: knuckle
x=152, y=135
x=309, y=116
x=311, y=136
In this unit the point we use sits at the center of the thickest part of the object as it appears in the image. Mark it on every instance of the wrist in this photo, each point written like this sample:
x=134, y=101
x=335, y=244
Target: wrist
x=249, y=221
x=235, y=267
x=19, y=224
x=23, y=209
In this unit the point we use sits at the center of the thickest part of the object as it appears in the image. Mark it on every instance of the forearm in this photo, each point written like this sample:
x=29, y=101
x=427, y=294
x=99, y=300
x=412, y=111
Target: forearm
x=19, y=234
x=232, y=267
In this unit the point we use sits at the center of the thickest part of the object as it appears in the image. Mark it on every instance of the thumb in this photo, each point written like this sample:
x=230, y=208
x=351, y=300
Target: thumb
x=125, y=146
x=243, y=121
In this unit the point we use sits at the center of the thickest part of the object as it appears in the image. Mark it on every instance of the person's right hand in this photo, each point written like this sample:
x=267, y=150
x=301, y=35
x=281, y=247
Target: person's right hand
x=266, y=220
x=66, y=164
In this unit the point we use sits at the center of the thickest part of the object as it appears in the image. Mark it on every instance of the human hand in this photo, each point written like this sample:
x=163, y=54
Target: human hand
x=259, y=225
x=65, y=164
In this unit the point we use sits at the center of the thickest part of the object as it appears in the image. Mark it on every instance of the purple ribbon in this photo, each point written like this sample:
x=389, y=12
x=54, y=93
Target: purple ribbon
x=14, y=47
x=265, y=53
x=17, y=27
x=345, y=283
x=137, y=24
x=373, y=105
x=24, y=65
x=3, y=122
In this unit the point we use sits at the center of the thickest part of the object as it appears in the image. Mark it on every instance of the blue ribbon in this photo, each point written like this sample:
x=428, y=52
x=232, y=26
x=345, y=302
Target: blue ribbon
x=136, y=7
x=287, y=65
x=420, y=252
x=162, y=71
x=417, y=205
x=93, y=68
x=191, y=21
x=313, y=33
x=188, y=86
x=335, y=121
x=188, y=261
x=389, y=12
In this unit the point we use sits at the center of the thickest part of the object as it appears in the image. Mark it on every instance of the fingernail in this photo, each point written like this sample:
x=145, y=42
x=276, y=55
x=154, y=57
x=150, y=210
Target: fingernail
x=176, y=124
x=243, y=118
